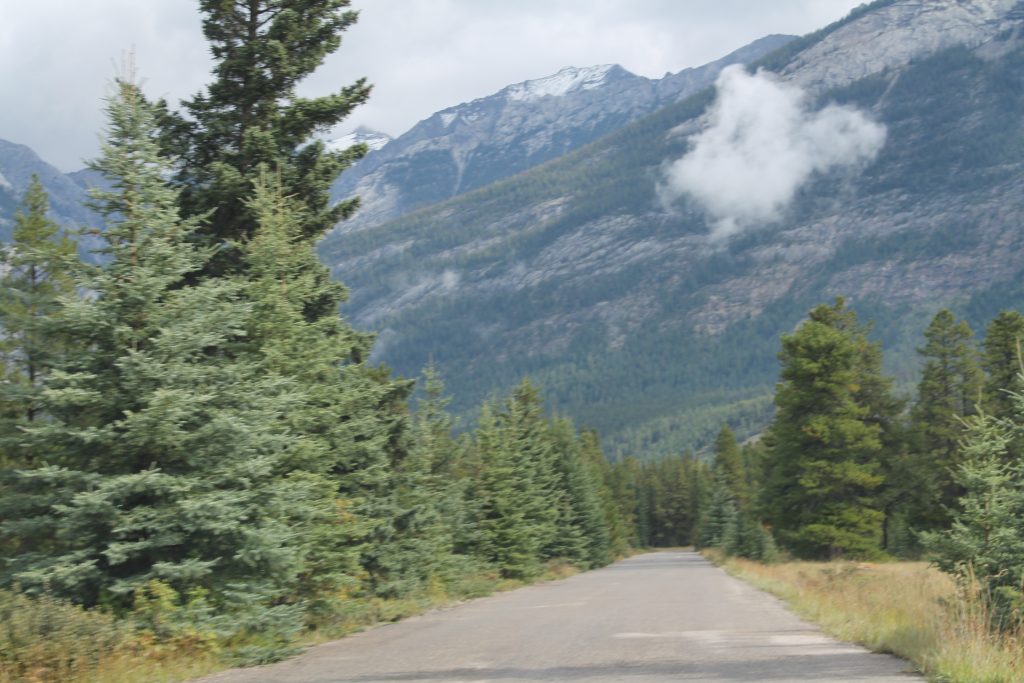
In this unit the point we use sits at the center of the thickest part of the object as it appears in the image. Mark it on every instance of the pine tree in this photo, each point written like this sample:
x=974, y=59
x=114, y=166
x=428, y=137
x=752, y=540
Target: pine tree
x=607, y=528
x=166, y=455
x=583, y=532
x=834, y=408
x=985, y=543
x=344, y=435
x=39, y=270
x=1002, y=362
x=250, y=117
x=717, y=526
x=509, y=538
x=949, y=391
x=447, y=481
x=623, y=506
x=728, y=465
x=528, y=436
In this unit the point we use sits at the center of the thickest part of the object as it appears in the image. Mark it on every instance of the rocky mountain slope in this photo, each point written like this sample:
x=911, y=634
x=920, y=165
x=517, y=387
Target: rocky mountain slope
x=581, y=273
x=67, y=192
x=473, y=144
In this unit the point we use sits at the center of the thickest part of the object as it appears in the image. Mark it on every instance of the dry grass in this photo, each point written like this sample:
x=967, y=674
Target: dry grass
x=905, y=608
x=43, y=640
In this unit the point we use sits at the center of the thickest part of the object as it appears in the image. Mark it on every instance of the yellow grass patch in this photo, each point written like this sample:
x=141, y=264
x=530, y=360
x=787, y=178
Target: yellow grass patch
x=905, y=608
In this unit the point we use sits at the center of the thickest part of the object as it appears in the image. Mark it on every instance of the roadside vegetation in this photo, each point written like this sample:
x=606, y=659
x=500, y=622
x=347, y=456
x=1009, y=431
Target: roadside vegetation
x=909, y=609
x=48, y=640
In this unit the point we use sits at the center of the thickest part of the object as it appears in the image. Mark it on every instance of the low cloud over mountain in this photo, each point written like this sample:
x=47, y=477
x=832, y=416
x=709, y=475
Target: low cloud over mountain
x=763, y=144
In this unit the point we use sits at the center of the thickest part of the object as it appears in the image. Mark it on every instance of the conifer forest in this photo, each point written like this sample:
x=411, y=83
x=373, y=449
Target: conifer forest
x=198, y=453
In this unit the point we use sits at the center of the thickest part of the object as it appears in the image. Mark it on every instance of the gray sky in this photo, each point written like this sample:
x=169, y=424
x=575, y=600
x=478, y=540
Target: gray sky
x=57, y=56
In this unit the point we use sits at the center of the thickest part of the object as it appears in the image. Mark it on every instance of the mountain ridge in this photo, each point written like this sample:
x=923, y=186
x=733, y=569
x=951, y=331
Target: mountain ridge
x=475, y=143
x=635, y=323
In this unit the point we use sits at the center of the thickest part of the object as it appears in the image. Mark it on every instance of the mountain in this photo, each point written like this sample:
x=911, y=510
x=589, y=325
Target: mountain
x=373, y=139
x=636, y=321
x=471, y=145
x=67, y=192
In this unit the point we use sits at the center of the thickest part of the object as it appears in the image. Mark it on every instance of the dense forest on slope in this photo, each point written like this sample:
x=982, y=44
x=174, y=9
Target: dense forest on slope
x=575, y=274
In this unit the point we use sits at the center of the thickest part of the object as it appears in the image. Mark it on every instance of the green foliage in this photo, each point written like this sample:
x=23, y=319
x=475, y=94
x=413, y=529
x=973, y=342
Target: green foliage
x=985, y=543
x=250, y=116
x=38, y=270
x=834, y=408
x=1002, y=362
x=950, y=390
x=728, y=467
x=161, y=455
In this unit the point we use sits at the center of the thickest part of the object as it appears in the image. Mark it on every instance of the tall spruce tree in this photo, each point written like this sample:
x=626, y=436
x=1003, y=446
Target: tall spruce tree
x=834, y=406
x=40, y=264
x=728, y=466
x=581, y=515
x=166, y=459
x=984, y=547
x=949, y=391
x=509, y=538
x=1001, y=359
x=343, y=441
x=528, y=436
x=250, y=116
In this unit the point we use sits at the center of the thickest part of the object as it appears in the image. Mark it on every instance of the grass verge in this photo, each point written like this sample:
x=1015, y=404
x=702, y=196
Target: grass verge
x=907, y=609
x=44, y=640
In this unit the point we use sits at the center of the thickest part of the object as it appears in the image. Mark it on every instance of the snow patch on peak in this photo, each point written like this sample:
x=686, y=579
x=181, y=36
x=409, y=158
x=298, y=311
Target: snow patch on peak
x=447, y=117
x=570, y=79
x=5, y=183
x=373, y=139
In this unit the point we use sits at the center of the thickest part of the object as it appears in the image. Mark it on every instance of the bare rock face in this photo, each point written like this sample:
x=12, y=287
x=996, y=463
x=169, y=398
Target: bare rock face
x=892, y=36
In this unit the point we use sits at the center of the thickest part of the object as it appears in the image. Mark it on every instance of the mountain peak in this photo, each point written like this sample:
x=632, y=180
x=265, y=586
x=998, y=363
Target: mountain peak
x=373, y=139
x=567, y=80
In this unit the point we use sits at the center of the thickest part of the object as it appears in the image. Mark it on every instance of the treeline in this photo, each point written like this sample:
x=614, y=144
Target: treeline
x=210, y=445
x=848, y=469
x=193, y=442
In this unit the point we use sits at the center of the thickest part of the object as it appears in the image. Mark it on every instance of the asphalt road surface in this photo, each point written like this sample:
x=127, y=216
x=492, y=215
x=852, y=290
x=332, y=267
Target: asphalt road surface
x=667, y=616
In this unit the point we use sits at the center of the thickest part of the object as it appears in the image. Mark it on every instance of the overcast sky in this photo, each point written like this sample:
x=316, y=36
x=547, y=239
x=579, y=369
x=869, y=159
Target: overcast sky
x=57, y=56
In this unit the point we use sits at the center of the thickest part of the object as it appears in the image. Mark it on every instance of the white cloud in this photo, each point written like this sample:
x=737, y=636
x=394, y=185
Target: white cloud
x=449, y=280
x=762, y=145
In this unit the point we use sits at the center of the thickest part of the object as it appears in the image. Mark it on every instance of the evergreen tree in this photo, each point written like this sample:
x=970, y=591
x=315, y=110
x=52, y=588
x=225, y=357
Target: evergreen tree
x=528, y=435
x=510, y=539
x=717, y=526
x=985, y=543
x=165, y=456
x=336, y=409
x=729, y=466
x=624, y=491
x=610, y=535
x=949, y=391
x=577, y=504
x=583, y=530
x=39, y=269
x=438, y=455
x=834, y=408
x=250, y=116
x=1002, y=362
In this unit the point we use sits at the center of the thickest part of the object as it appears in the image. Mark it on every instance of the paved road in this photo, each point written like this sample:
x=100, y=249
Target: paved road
x=668, y=616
